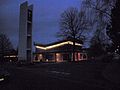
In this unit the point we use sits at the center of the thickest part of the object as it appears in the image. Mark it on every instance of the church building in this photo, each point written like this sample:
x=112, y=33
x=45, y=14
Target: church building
x=61, y=51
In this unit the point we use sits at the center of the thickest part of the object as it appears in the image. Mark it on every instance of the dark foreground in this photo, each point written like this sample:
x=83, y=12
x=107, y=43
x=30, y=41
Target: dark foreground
x=58, y=76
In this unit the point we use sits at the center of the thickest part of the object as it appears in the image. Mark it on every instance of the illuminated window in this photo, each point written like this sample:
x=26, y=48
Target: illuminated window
x=58, y=57
x=40, y=57
x=79, y=57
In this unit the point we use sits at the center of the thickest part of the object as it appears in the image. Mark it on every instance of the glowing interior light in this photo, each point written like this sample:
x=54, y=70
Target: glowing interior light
x=117, y=49
x=6, y=56
x=79, y=56
x=57, y=45
x=1, y=79
x=57, y=56
x=11, y=56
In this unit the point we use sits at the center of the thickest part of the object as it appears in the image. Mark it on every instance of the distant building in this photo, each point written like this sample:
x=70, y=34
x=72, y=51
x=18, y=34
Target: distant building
x=61, y=51
x=12, y=56
x=25, y=32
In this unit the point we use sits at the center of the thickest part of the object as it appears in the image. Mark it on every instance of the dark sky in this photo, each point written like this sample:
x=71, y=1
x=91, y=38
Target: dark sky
x=45, y=20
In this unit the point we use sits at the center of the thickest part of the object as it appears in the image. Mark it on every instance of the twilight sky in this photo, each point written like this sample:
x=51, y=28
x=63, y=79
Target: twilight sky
x=46, y=17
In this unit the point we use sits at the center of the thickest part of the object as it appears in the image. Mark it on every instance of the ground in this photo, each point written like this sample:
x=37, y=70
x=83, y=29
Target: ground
x=58, y=76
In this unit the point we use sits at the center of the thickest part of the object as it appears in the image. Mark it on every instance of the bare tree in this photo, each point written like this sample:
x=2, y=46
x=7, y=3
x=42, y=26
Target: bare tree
x=113, y=29
x=5, y=46
x=96, y=47
x=101, y=7
x=72, y=25
x=101, y=11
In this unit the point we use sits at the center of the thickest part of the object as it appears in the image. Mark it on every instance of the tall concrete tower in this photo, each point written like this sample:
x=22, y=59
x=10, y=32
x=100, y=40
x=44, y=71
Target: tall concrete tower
x=25, y=32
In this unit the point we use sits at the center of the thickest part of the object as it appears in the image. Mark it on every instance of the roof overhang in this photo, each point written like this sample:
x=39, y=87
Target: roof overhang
x=56, y=45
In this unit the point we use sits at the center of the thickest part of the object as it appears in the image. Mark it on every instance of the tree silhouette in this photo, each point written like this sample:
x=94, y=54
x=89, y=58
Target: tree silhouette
x=96, y=47
x=72, y=25
x=114, y=27
x=5, y=46
x=101, y=11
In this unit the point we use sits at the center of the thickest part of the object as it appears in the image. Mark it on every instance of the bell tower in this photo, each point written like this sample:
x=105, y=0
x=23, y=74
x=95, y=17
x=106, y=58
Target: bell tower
x=25, y=32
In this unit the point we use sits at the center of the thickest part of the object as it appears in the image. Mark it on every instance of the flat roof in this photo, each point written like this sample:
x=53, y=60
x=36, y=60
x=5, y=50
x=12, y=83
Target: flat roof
x=57, y=44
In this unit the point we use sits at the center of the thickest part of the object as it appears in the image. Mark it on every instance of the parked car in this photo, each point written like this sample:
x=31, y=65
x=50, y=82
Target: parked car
x=4, y=75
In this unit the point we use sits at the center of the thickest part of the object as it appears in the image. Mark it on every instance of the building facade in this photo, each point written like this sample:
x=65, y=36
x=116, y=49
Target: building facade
x=61, y=51
x=25, y=32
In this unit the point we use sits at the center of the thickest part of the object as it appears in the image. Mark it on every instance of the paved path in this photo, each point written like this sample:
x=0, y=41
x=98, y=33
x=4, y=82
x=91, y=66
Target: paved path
x=57, y=77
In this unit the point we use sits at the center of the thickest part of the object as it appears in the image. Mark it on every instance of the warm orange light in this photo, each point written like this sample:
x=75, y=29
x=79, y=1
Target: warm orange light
x=57, y=45
x=79, y=57
x=57, y=57
x=40, y=57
